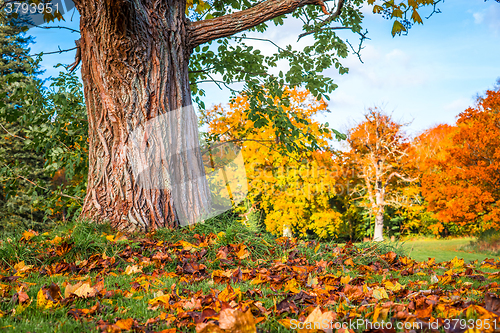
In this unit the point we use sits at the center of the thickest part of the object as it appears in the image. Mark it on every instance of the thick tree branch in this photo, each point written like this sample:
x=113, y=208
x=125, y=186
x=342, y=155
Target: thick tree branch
x=327, y=21
x=400, y=176
x=224, y=26
x=78, y=57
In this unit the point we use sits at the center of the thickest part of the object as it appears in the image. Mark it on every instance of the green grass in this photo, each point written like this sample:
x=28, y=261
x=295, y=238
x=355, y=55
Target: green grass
x=443, y=250
x=277, y=258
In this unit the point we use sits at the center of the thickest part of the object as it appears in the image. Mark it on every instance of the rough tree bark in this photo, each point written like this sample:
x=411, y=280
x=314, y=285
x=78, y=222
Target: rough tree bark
x=135, y=57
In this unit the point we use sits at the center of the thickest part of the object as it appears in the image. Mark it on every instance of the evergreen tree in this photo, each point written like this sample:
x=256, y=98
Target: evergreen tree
x=20, y=96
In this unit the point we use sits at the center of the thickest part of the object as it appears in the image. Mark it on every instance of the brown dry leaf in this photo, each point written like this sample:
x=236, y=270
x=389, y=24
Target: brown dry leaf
x=125, y=324
x=424, y=312
x=317, y=318
x=168, y=330
x=287, y=322
x=133, y=269
x=292, y=285
x=221, y=254
x=24, y=299
x=22, y=269
x=229, y=294
x=210, y=327
x=237, y=321
x=492, y=302
x=242, y=252
x=70, y=289
x=29, y=234
x=192, y=304
x=56, y=241
x=349, y=262
x=85, y=290
x=49, y=297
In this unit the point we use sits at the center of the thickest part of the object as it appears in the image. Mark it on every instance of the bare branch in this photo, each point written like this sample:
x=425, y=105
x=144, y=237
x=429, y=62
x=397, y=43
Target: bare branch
x=57, y=27
x=49, y=27
x=53, y=52
x=228, y=25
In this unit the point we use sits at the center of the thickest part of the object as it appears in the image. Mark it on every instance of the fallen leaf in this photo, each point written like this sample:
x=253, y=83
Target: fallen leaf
x=237, y=321
x=125, y=324
x=380, y=293
x=49, y=297
x=292, y=285
x=349, y=262
x=311, y=281
x=129, y=270
x=210, y=327
x=242, y=252
x=22, y=269
x=317, y=319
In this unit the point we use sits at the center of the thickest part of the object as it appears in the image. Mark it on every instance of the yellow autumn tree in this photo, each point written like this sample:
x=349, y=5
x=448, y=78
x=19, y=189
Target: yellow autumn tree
x=293, y=189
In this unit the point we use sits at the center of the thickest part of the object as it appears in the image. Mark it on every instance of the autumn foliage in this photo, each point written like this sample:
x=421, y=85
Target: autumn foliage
x=292, y=189
x=463, y=179
x=247, y=283
x=378, y=150
x=444, y=181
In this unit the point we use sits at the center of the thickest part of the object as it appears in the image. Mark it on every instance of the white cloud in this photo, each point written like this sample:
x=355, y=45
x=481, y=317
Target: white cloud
x=489, y=17
x=458, y=105
x=478, y=18
x=398, y=56
x=392, y=69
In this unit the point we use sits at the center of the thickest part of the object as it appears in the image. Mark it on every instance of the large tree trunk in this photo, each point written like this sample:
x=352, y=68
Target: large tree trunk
x=145, y=166
x=135, y=69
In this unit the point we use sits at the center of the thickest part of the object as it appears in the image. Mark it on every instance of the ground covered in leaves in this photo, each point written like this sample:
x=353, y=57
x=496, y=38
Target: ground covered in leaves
x=84, y=278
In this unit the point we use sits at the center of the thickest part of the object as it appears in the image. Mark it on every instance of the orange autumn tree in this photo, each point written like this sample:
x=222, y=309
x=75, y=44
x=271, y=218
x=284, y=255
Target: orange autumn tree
x=379, y=151
x=464, y=189
x=292, y=188
x=427, y=149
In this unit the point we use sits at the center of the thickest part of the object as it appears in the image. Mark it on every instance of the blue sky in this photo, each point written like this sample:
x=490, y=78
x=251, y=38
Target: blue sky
x=425, y=78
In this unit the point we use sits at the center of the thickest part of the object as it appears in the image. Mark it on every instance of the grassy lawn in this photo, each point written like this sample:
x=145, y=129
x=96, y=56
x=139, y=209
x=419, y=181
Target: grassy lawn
x=220, y=277
x=442, y=250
